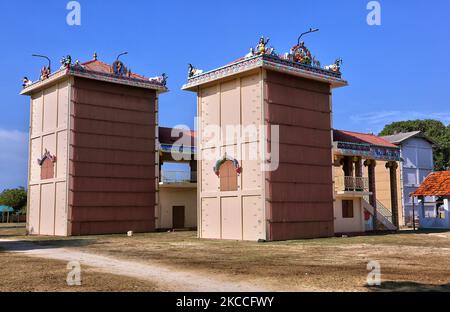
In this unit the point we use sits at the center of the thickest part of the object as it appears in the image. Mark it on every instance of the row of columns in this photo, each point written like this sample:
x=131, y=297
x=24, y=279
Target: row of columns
x=352, y=167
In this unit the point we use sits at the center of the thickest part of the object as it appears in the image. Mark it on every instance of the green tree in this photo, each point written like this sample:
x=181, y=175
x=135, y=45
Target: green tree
x=15, y=198
x=433, y=129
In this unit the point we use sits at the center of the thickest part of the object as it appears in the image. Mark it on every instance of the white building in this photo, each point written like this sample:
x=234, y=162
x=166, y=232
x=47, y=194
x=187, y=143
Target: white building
x=417, y=155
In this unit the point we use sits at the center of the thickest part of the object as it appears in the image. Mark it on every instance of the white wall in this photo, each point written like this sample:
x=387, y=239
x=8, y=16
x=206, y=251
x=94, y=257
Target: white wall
x=237, y=215
x=170, y=196
x=353, y=225
x=47, y=200
x=417, y=155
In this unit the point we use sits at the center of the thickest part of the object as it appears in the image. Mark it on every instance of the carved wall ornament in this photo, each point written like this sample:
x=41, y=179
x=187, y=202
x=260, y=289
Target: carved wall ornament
x=226, y=158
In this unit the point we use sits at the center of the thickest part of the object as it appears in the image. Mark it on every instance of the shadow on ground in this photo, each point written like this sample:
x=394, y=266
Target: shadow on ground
x=24, y=245
x=405, y=286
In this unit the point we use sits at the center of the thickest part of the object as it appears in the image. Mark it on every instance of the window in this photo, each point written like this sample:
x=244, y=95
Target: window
x=347, y=209
x=47, y=169
x=228, y=177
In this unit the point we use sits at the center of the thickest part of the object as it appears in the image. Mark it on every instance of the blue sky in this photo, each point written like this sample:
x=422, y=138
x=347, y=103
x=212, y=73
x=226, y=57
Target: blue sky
x=396, y=71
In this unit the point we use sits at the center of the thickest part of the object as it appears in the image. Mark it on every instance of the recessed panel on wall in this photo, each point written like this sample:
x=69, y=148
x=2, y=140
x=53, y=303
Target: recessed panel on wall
x=251, y=107
x=231, y=218
x=210, y=113
x=50, y=108
x=33, y=210
x=36, y=115
x=61, y=155
x=35, y=154
x=210, y=218
x=63, y=104
x=209, y=180
x=60, y=210
x=252, y=175
x=253, y=218
x=230, y=111
x=47, y=217
x=49, y=143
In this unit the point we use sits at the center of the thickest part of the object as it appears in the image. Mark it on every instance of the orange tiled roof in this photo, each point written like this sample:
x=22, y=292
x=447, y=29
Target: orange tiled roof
x=436, y=184
x=361, y=138
x=99, y=66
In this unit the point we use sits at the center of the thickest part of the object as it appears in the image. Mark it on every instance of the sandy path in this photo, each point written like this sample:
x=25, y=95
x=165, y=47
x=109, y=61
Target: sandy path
x=173, y=280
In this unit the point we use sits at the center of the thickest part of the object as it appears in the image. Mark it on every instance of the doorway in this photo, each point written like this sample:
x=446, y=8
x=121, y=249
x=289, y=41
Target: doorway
x=178, y=215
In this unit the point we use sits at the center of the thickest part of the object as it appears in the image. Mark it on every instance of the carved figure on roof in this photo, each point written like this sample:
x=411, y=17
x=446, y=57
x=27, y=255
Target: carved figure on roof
x=26, y=82
x=301, y=54
x=160, y=79
x=119, y=69
x=194, y=71
x=250, y=53
x=66, y=61
x=45, y=73
x=261, y=47
x=336, y=67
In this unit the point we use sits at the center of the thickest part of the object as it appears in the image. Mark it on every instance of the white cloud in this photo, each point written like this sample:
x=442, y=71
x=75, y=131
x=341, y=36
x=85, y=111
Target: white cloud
x=13, y=158
x=385, y=117
x=13, y=135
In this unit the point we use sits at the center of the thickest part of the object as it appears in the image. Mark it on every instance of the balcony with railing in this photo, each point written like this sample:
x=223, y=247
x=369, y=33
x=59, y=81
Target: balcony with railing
x=178, y=177
x=352, y=185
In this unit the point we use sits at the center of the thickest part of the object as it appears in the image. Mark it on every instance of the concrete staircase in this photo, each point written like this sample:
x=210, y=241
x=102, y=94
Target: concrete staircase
x=384, y=216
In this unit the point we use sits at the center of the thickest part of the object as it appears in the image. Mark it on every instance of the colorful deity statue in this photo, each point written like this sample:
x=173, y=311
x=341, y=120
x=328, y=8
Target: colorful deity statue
x=45, y=73
x=261, y=47
x=301, y=54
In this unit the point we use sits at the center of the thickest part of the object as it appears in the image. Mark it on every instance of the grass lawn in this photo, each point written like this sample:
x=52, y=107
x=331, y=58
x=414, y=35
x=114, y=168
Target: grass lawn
x=409, y=261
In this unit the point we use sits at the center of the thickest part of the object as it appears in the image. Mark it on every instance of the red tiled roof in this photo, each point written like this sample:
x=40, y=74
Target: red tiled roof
x=361, y=138
x=436, y=184
x=99, y=66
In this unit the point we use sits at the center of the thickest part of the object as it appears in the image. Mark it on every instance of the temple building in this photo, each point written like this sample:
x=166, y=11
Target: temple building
x=367, y=183
x=93, y=160
x=416, y=151
x=177, y=195
x=263, y=196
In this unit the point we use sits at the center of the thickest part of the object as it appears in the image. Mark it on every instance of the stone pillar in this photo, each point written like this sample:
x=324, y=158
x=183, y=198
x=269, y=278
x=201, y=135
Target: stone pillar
x=393, y=166
x=348, y=166
x=371, y=164
x=358, y=167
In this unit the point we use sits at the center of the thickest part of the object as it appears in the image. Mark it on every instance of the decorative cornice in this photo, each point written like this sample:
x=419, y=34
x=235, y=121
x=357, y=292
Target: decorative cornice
x=268, y=62
x=78, y=71
x=140, y=83
x=367, y=151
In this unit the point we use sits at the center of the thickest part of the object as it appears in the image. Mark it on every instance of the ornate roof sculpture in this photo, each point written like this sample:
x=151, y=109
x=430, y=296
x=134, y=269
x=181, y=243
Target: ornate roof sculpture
x=298, y=61
x=95, y=69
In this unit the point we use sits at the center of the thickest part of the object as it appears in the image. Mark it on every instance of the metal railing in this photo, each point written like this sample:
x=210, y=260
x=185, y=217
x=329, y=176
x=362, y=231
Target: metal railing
x=169, y=176
x=381, y=209
x=352, y=184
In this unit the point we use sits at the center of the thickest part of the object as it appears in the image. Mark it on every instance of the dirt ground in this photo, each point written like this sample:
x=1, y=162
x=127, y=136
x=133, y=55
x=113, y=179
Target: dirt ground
x=30, y=274
x=409, y=261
